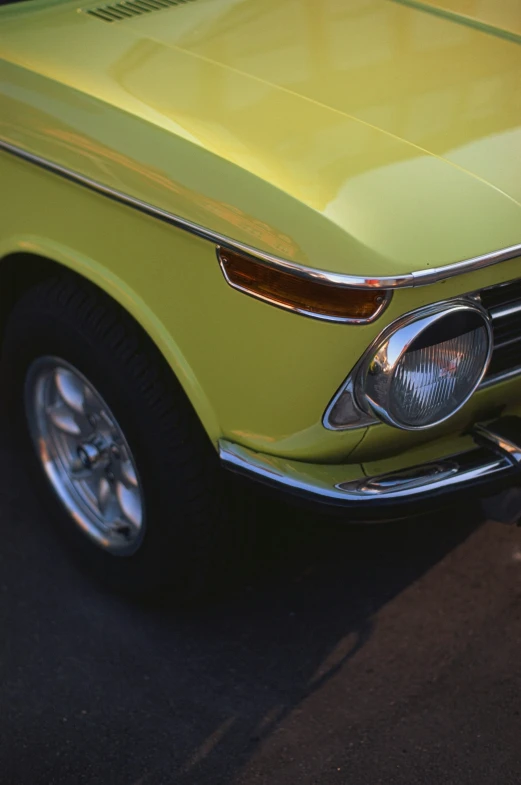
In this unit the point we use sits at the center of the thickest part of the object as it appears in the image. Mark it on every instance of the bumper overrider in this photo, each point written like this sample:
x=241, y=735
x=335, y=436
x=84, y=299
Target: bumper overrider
x=492, y=466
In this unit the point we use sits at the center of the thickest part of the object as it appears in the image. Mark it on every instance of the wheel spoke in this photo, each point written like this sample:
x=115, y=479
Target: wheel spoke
x=107, y=501
x=71, y=389
x=128, y=473
x=92, y=405
x=130, y=503
x=63, y=418
x=80, y=398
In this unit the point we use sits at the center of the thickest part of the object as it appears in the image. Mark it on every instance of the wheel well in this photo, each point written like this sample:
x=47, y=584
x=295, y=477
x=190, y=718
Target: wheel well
x=18, y=273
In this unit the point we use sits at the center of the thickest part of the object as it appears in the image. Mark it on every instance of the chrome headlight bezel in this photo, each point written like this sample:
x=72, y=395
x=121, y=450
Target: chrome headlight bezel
x=357, y=398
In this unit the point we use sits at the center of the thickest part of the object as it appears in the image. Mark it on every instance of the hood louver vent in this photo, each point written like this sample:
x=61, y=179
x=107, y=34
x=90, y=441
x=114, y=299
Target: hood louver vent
x=129, y=8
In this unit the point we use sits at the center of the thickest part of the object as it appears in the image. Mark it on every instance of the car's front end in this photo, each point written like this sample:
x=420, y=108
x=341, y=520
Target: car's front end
x=312, y=212
x=451, y=367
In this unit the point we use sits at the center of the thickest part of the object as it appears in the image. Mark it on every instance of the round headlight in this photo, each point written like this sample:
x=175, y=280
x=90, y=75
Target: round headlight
x=428, y=366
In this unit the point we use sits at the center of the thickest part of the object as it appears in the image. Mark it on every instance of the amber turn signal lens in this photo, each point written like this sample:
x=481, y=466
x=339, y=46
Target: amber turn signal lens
x=301, y=294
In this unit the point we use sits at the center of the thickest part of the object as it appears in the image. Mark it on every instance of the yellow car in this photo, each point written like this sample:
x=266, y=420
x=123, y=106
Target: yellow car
x=279, y=237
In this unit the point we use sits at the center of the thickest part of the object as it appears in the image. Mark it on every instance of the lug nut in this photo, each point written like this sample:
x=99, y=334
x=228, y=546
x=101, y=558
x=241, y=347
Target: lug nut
x=109, y=475
x=115, y=451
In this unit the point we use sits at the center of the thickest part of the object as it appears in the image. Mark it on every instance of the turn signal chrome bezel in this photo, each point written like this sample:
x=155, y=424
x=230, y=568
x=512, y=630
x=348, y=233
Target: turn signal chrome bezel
x=300, y=291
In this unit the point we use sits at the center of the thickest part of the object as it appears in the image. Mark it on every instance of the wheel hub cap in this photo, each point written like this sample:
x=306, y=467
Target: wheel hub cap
x=89, y=455
x=85, y=455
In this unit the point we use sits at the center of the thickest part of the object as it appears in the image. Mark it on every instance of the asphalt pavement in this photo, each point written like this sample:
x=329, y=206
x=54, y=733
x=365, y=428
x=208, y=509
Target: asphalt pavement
x=349, y=656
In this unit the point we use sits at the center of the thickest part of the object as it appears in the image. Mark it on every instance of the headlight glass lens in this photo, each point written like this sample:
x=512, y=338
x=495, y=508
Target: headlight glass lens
x=428, y=367
x=431, y=383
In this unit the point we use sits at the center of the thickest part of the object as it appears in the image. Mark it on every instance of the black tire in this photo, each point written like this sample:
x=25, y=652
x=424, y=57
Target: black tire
x=189, y=529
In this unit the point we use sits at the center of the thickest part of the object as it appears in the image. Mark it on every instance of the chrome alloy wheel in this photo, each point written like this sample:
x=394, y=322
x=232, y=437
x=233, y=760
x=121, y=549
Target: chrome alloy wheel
x=85, y=455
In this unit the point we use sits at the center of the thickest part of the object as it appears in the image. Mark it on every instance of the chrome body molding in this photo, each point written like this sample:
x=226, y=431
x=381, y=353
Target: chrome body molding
x=501, y=443
x=407, y=280
x=482, y=464
x=505, y=310
x=505, y=376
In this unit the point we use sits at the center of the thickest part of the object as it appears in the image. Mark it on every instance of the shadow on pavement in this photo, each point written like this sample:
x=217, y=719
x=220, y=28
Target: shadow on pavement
x=95, y=690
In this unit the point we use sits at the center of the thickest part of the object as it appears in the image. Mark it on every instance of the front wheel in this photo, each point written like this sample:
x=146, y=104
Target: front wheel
x=109, y=436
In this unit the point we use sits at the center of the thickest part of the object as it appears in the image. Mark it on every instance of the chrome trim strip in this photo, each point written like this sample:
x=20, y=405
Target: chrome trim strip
x=437, y=274
x=504, y=376
x=407, y=280
x=500, y=311
x=294, y=477
x=506, y=342
x=505, y=446
x=459, y=477
x=406, y=479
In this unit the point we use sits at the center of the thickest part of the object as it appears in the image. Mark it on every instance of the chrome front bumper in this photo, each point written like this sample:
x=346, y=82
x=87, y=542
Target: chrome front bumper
x=495, y=460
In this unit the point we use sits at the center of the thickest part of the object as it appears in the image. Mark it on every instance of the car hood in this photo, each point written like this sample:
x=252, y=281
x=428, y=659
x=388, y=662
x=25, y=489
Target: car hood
x=418, y=71
x=397, y=125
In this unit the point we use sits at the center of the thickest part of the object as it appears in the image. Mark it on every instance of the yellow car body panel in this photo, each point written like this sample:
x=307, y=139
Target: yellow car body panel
x=369, y=139
x=376, y=139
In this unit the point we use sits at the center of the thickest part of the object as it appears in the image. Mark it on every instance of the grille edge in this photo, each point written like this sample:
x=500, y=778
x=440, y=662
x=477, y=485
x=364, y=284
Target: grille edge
x=503, y=303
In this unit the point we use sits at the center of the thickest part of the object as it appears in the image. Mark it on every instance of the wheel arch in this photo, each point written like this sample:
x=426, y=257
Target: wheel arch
x=31, y=263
